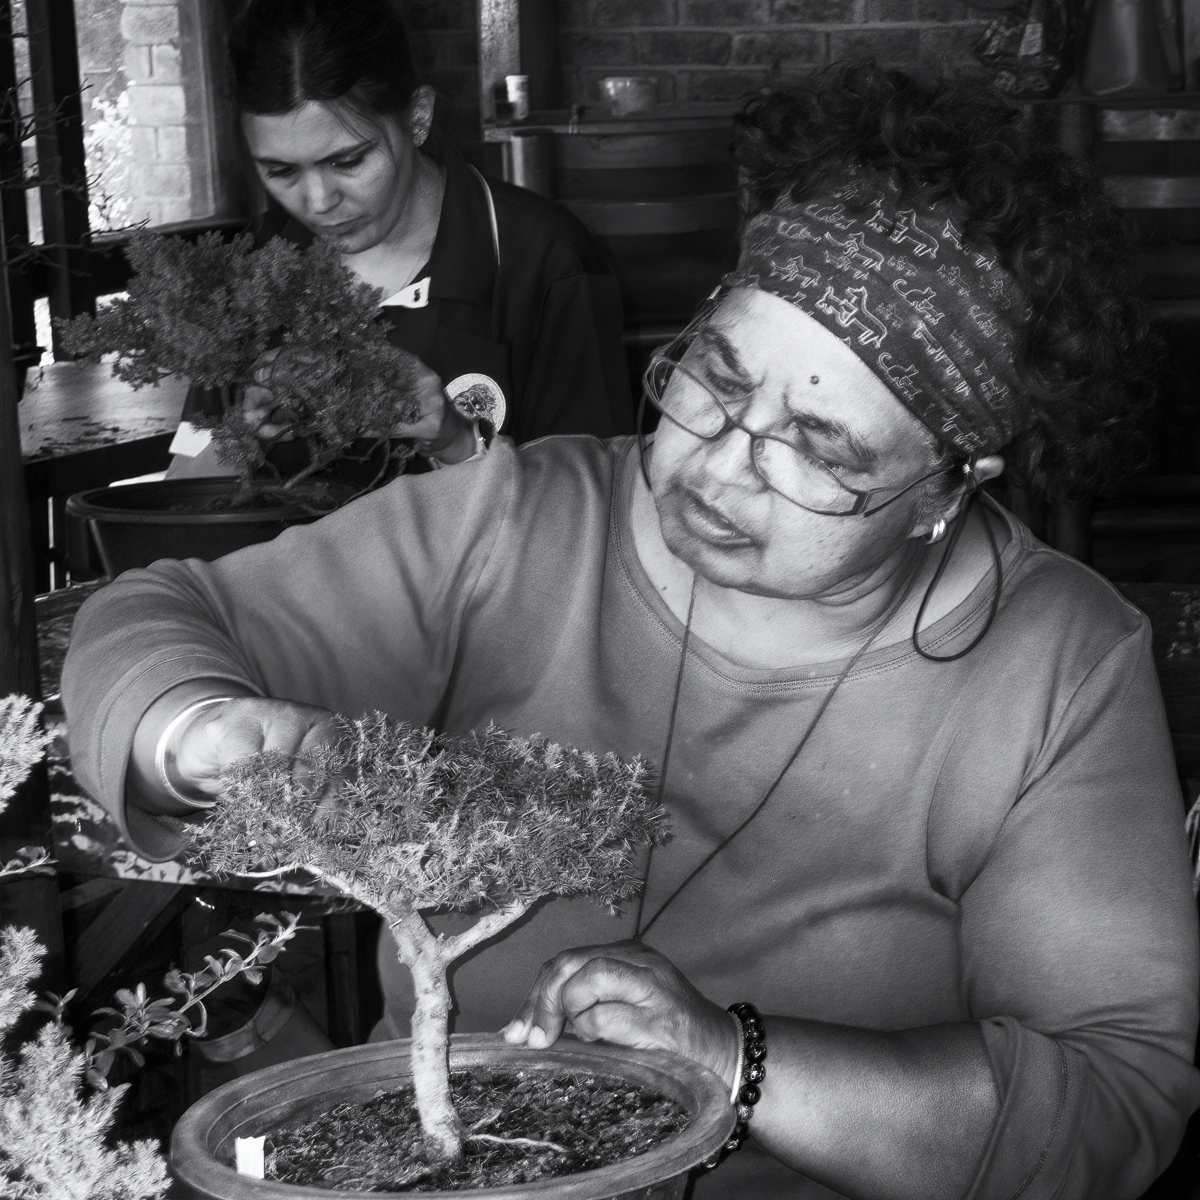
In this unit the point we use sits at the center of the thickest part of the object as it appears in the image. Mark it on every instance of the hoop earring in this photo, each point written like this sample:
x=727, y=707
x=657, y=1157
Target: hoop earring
x=937, y=532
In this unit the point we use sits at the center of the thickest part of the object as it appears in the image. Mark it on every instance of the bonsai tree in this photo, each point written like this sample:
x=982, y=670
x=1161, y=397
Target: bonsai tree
x=56, y=1108
x=225, y=315
x=404, y=820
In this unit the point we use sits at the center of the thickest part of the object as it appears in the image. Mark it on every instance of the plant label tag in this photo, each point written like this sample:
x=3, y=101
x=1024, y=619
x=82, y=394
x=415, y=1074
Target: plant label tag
x=189, y=440
x=249, y=1153
x=416, y=295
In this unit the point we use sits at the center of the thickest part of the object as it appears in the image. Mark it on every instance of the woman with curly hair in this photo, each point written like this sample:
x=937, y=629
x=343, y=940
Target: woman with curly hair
x=925, y=816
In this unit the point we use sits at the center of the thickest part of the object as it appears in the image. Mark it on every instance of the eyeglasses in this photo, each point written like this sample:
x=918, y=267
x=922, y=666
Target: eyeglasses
x=675, y=388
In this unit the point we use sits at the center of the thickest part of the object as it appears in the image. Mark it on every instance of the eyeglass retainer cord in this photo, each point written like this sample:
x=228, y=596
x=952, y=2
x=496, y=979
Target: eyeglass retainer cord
x=880, y=625
x=976, y=496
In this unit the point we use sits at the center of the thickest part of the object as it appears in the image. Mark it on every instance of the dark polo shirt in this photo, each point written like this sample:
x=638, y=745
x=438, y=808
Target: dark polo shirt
x=544, y=321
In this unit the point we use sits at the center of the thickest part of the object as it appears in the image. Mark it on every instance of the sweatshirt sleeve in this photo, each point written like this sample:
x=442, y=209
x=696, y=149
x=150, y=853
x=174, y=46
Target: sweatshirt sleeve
x=569, y=366
x=356, y=612
x=1079, y=947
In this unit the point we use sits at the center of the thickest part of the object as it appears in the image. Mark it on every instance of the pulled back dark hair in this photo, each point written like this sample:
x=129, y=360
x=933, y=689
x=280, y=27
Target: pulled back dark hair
x=288, y=52
x=1084, y=358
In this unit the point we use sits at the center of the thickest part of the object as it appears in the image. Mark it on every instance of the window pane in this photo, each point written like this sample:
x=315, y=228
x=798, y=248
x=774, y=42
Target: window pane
x=158, y=134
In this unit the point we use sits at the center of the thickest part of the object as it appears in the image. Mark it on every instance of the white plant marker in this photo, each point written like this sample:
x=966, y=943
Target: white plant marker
x=249, y=1153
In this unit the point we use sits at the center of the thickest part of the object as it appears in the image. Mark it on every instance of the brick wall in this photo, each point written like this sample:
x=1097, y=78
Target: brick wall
x=727, y=49
x=101, y=50
x=161, y=173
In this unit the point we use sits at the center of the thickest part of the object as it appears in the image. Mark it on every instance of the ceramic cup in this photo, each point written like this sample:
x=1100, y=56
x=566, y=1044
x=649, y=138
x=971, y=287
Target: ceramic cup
x=628, y=94
x=517, y=87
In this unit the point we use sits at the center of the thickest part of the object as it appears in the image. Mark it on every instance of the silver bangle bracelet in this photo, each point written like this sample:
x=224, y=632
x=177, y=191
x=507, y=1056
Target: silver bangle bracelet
x=164, y=754
x=741, y=1060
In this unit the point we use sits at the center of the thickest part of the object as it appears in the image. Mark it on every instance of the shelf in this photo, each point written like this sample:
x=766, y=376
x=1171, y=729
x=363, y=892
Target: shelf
x=665, y=118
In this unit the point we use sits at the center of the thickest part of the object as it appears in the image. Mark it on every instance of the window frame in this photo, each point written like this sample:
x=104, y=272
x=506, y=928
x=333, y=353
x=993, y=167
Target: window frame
x=71, y=266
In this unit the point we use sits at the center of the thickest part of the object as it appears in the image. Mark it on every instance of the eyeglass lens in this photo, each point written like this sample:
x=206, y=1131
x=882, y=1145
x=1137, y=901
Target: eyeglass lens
x=688, y=402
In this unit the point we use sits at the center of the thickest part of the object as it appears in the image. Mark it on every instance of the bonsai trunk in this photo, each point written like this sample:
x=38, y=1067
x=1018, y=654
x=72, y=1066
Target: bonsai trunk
x=428, y=957
x=421, y=953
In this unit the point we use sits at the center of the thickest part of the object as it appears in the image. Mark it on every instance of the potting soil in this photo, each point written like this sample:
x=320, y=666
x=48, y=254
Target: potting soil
x=565, y=1124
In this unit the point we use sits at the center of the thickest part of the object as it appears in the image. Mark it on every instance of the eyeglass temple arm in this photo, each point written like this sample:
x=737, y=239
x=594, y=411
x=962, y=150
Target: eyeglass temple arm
x=970, y=482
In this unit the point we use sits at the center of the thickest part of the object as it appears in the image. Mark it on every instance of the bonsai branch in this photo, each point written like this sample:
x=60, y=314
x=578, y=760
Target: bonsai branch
x=486, y=927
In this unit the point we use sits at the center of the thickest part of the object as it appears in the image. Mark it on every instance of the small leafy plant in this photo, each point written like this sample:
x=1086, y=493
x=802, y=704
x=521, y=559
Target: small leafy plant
x=56, y=1106
x=213, y=311
x=181, y=1014
x=405, y=820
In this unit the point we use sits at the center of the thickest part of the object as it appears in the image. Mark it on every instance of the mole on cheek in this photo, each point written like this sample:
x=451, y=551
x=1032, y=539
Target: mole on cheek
x=814, y=379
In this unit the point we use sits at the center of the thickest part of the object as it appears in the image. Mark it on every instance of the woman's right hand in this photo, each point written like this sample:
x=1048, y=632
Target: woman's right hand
x=204, y=747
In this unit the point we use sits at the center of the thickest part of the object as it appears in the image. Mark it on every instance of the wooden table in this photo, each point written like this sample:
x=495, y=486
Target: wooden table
x=83, y=428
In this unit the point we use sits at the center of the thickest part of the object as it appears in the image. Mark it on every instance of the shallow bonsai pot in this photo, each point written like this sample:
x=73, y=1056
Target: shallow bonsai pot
x=138, y=523
x=202, y=1146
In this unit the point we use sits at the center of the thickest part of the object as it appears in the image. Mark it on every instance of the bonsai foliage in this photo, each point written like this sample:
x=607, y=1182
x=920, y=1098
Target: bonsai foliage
x=22, y=744
x=56, y=1108
x=210, y=312
x=53, y=1133
x=405, y=820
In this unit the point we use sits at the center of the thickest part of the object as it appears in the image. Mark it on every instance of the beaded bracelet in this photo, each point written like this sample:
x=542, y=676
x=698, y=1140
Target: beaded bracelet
x=751, y=1073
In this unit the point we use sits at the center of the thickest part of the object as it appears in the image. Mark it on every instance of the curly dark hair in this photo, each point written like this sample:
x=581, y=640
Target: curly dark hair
x=1085, y=357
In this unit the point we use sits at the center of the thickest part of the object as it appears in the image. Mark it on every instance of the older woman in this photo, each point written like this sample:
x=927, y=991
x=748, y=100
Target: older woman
x=925, y=817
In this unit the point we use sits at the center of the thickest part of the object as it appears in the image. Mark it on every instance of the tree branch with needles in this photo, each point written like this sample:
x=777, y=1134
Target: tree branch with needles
x=406, y=820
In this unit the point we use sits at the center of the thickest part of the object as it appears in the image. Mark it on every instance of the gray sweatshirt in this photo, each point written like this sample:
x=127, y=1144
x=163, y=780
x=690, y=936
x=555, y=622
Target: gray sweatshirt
x=996, y=840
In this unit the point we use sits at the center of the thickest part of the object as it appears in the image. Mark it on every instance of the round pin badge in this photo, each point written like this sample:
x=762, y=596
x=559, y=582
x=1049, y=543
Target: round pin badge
x=479, y=398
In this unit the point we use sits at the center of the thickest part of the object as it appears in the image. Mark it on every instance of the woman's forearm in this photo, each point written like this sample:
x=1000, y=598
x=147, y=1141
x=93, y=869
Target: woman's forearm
x=877, y=1114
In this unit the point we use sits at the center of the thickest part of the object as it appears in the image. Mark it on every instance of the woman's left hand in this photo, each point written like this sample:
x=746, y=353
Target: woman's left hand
x=441, y=431
x=629, y=994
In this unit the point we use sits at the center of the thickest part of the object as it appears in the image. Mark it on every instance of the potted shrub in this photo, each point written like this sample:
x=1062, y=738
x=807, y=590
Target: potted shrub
x=225, y=316
x=56, y=1106
x=406, y=821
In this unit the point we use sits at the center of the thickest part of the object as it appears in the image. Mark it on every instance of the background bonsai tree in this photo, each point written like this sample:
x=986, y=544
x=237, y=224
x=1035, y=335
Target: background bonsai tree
x=56, y=1108
x=404, y=820
x=217, y=312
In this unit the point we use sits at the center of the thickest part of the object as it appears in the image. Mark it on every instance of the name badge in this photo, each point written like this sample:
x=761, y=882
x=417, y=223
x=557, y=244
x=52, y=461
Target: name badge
x=416, y=295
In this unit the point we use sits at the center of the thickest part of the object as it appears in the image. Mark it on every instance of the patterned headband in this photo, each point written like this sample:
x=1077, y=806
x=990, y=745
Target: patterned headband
x=932, y=316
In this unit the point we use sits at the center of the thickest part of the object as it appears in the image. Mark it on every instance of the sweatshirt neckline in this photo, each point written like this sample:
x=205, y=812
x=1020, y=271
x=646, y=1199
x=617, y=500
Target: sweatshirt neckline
x=934, y=637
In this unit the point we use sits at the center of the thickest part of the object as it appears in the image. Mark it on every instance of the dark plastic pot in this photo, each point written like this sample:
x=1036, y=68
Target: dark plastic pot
x=202, y=1146
x=139, y=523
